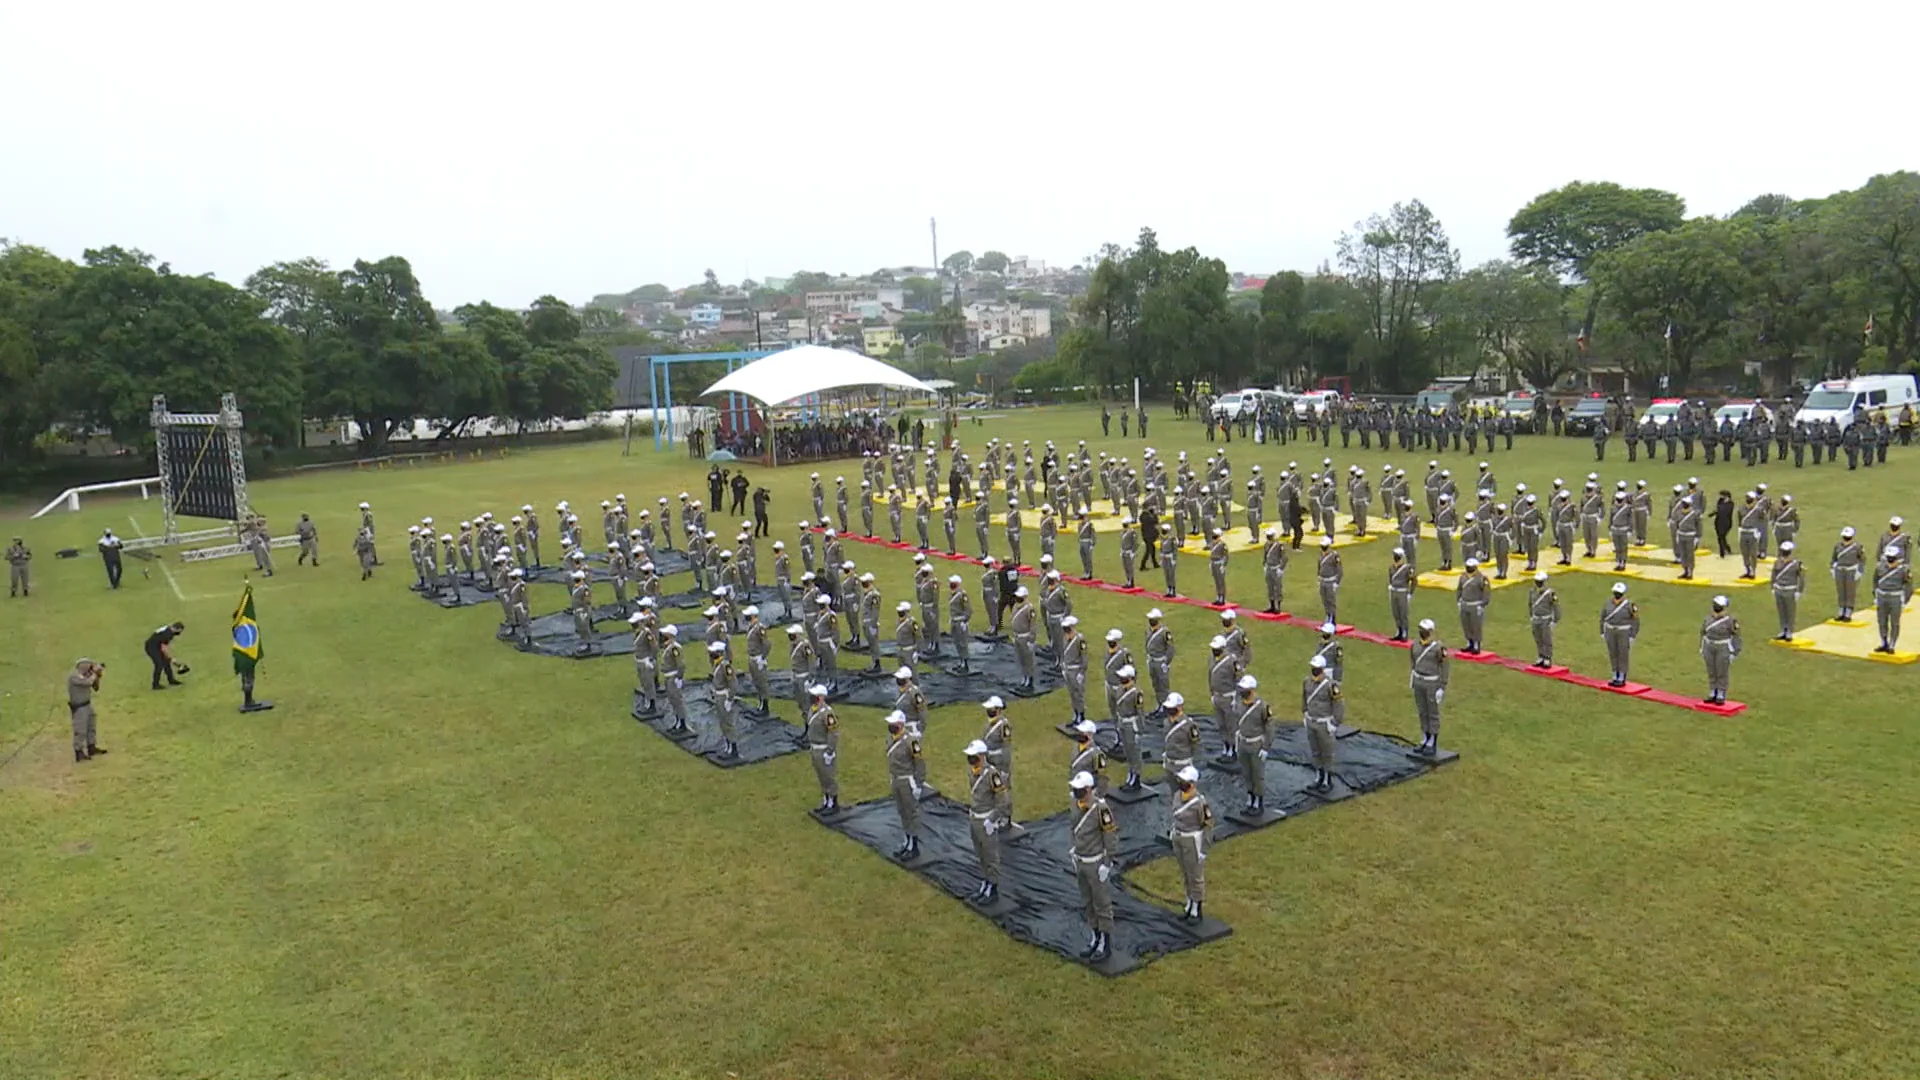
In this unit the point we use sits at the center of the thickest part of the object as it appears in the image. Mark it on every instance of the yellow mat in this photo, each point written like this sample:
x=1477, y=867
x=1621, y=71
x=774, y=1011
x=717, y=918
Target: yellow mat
x=1855, y=640
x=1656, y=564
x=1517, y=574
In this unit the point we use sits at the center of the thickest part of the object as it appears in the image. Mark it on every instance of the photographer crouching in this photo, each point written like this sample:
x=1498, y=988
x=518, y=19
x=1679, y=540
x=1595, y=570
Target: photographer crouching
x=159, y=647
x=81, y=686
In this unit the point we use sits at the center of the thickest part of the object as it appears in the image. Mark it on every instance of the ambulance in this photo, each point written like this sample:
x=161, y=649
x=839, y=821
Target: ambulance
x=1841, y=400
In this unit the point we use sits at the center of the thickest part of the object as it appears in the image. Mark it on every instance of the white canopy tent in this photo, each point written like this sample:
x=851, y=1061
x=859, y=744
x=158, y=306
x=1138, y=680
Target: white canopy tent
x=810, y=369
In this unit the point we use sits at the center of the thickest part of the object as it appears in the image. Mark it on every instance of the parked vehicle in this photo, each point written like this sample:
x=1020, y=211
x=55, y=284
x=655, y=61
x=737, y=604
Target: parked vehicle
x=1519, y=407
x=1229, y=407
x=1841, y=400
x=1586, y=412
x=1738, y=409
x=1313, y=402
x=1663, y=411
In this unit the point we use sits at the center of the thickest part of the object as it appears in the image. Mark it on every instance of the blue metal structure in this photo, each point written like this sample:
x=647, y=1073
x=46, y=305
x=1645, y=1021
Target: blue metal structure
x=660, y=381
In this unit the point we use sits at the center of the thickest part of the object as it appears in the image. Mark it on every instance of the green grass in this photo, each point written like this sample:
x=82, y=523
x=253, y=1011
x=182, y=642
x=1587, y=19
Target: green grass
x=439, y=857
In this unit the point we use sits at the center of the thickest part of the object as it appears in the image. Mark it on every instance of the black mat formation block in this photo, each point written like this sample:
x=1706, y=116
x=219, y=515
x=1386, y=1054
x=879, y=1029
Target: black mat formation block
x=1040, y=900
x=463, y=594
x=760, y=737
x=702, y=598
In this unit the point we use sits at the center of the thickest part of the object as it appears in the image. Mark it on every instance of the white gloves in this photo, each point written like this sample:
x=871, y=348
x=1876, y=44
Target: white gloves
x=1263, y=753
x=1439, y=695
x=827, y=757
x=1104, y=872
x=990, y=827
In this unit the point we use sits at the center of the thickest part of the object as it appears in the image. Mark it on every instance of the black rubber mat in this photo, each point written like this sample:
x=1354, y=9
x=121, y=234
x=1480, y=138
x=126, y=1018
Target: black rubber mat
x=761, y=736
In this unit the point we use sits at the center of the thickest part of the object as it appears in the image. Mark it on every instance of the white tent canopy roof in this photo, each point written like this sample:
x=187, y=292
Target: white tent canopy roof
x=810, y=369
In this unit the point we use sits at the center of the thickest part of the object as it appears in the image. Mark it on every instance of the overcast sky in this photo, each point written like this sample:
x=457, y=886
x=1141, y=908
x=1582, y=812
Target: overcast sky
x=572, y=149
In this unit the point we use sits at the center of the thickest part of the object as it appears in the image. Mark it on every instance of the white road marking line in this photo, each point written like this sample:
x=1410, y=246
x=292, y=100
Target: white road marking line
x=161, y=559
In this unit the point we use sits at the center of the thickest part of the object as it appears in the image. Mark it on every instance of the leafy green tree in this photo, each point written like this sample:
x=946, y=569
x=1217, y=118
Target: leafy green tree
x=30, y=280
x=993, y=262
x=958, y=263
x=806, y=281
x=1876, y=233
x=602, y=320
x=1397, y=261
x=1568, y=228
x=124, y=330
x=1679, y=288
x=1516, y=313
x=922, y=293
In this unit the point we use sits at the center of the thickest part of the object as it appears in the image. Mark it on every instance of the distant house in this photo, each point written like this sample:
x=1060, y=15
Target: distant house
x=1002, y=341
x=880, y=340
x=704, y=315
x=986, y=322
x=835, y=301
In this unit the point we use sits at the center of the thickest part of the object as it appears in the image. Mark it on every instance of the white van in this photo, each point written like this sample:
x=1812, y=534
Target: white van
x=1836, y=399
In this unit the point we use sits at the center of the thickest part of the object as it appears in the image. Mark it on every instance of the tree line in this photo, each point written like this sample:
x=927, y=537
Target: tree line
x=87, y=345
x=1599, y=274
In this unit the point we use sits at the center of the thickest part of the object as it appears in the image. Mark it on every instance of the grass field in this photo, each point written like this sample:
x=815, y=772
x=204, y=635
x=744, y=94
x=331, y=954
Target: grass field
x=439, y=857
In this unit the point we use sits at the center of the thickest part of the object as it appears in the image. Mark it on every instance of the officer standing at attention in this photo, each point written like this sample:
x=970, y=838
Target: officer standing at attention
x=989, y=811
x=1321, y=712
x=1223, y=673
x=1073, y=664
x=1190, y=835
x=1400, y=593
x=1252, y=734
x=1170, y=558
x=1273, y=563
x=1719, y=644
x=82, y=683
x=1127, y=709
x=1892, y=588
x=1473, y=592
x=903, y=766
x=1432, y=670
x=673, y=676
x=1094, y=834
x=1847, y=564
x=1330, y=573
x=1753, y=525
x=1021, y=625
x=823, y=743
x=1182, y=743
x=1160, y=650
x=19, y=576
x=1543, y=612
x=959, y=620
x=720, y=685
x=1217, y=562
x=159, y=650
x=366, y=524
x=1789, y=581
x=1619, y=625
x=998, y=735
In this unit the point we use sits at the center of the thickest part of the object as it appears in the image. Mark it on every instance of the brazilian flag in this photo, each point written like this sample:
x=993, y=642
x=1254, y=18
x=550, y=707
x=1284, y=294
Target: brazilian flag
x=246, y=636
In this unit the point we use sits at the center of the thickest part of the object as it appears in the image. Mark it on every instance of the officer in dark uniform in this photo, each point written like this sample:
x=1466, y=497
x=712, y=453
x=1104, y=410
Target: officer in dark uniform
x=159, y=649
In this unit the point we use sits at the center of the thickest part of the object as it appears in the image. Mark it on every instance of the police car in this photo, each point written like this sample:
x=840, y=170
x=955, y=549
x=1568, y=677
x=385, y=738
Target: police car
x=1585, y=414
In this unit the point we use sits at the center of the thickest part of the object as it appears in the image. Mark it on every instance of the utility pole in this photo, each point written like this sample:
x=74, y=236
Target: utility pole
x=933, y=227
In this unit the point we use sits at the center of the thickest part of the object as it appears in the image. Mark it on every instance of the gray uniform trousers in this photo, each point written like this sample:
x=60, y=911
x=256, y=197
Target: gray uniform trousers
x=986, y=846
x=906, y=805
x=826, y=771
x=1787, y=604
x=1887, y=608
x=1023, y=652
x=1719, y=659
x=1427, y=703
x=1619, y=650
x=1193, y=869
x=1543, y=638
x=1401, y=602
x=1094, y=892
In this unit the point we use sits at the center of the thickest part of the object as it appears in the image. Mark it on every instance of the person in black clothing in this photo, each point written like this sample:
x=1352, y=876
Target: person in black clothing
x=159, y=649
x=1106, y=422
x=716, y=483
x=760, y=525
x=740, y=486
x=919, y=433
x=1009, y=581
x=1296, y=519
x=1723, y=521
x=1149, y=530
x=1143, y=421
x=110, y=555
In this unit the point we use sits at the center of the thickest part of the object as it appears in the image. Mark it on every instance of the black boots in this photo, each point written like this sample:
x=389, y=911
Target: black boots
x=1192, y=913
x=1098, y=950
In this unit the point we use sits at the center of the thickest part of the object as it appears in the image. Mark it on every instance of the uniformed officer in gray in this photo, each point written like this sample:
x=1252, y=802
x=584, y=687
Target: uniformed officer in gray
x=720, y=685
x=906, y=634
x=1719, y=645
x=82, y=683
x=803, y=660
x=1543, y=614
x=1252, y=735
x=1014, y=526
x=1183, y=740
x=1118, y=656
x=1128, y=710
x=1400, y=593
x=989, y=812
x=1686, y=536
x=926, y=592
x=823, y=744
x=1330, y=573
x=826, y=630
x=1789, y=581
x=1223, y=674
x=1073, y=664
x=1217, y=562
x=1160, y=651
x=1619, y=625
x=1620, y=529
x=1169, y=559
x=1847, y=564
x=1321, y=712
x=1444, y=520
x=1085, y=535
x=366, y=523
x=903, y=767
x=1191, y=834
x=998, y=735
x=309, y=535
x=581, y=604
x=759, y=652
x=673, y=677
x=959, y=620
x=1473, y=592
x=1021, y=624
x=1892, y=588
x=19, y=574
x=870, y=618
x=646, y=650
x=1431, y=671
x=1753, y=525
x=1273, y=565
x=1129, y=550
x=1095, y=835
